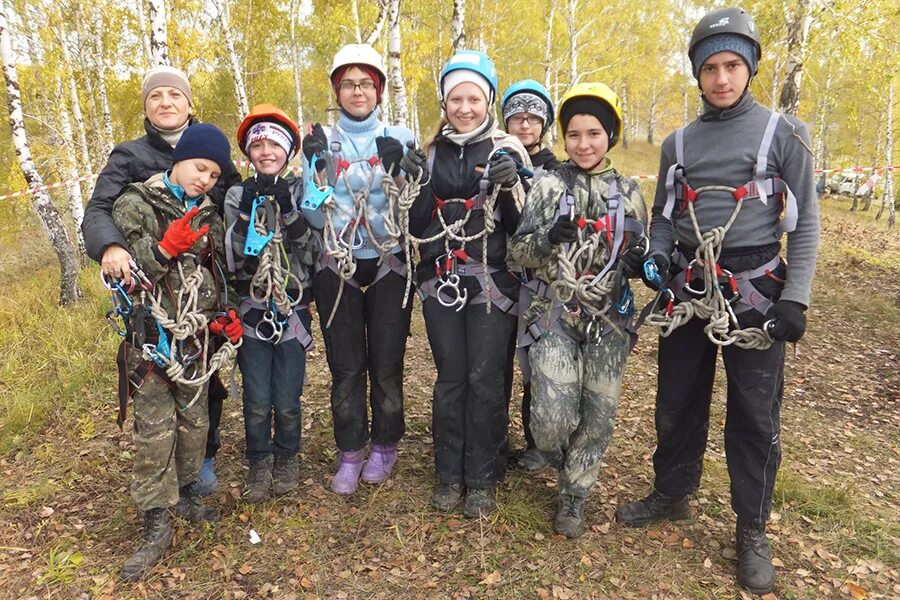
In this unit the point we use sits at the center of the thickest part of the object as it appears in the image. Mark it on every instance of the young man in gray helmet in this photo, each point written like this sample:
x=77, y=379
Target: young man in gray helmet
x=765, y=158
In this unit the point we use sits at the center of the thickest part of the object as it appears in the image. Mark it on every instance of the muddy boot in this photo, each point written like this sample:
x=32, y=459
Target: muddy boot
x=655, y=507
x=532, y=461
x=286, y=474
x=754, y=570
x=190, y=506
x=480, y=502
x=346, y=480
x=381, y=460
x=259, y=480
x=447, y=496
x=569, y=516
x=157, y=537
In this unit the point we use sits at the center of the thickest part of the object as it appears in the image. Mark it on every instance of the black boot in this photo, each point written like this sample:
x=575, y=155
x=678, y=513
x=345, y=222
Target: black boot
x=446, y=496
x=570, y=516
x=157, y=538
x=480, y=502
x=190, y=506
x=754, y=571
x=655, y=507
x=286, y=474
x=259, y=480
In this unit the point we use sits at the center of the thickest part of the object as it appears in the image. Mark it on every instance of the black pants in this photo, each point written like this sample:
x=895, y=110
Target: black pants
x=469, y=414
x=217, y=395
x=687, y=366
x=367, y=337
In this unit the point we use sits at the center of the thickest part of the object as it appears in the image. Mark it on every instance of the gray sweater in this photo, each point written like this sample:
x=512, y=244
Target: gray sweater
x=720, y=148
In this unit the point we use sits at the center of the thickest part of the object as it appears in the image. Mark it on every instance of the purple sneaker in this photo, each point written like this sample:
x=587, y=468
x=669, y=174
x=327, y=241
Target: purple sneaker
x=381, y=461
x=346, y=480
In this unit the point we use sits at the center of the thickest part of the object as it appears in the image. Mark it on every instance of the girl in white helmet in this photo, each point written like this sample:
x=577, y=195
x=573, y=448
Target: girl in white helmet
x=364, y=322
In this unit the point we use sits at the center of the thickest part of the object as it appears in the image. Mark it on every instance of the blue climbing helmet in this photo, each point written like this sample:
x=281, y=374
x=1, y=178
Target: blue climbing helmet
x=529, y=86
x=471, y=60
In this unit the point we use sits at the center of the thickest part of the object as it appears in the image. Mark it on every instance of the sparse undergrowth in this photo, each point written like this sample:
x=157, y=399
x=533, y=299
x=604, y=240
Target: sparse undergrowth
x=67, y=521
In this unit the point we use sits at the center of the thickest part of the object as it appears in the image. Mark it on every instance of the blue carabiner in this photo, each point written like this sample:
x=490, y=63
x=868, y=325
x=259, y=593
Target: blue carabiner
x=651, y=273
x=162, y=348
x=625, y=306
x=314, y=195
x=520, y=168
x=255, y=242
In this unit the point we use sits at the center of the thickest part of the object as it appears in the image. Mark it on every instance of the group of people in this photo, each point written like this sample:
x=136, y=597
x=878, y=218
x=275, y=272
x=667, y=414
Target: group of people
x=518, y=254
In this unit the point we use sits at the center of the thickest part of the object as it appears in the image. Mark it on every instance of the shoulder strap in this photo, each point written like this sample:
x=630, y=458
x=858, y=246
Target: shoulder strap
x=762, y=156
x=674, y=169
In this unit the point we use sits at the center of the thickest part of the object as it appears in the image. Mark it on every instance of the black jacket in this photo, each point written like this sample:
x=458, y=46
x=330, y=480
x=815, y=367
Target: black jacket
x=456, y=173
x=545, y=159
x=134, y=161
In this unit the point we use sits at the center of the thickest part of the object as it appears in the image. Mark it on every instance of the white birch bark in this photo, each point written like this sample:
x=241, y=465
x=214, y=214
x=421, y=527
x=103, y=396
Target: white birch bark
x=626, y=115
x=296, y=64
x=69, y=69
x=43, y=206
x=458, y=25
x=651, y=114
x=887, y=196
x=354, y=11
x=398, y=85
x=100, y=68
x=548, y=62
x=789, y=100
x=240, y=91
x=571, y=26
x=821, y=145
x=143, y=30
x=379, y=23
x=70, y=171
x=159, y=33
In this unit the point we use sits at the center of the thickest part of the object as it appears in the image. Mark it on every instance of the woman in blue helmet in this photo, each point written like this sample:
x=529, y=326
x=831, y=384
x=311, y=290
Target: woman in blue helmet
x=528, y=114
x=473, y=175
x=365, y=321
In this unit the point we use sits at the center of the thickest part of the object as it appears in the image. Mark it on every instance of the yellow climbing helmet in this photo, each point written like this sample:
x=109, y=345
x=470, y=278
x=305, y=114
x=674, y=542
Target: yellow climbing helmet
x=597, y=91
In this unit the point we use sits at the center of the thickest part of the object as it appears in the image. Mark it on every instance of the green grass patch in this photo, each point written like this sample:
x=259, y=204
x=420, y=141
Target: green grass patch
x=55, y=359
x=856, y=254
x=814, y=501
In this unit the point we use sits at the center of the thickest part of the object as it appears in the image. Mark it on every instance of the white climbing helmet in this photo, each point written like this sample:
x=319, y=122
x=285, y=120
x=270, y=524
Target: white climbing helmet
x=358, y=54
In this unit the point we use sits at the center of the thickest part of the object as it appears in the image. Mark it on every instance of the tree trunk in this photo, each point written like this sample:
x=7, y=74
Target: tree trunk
x=684, y=107
x=548, y=62
x=100, y=69
x=651, y=114
x=379, y=23
x=296, y=63
x=572, y=28
x=354, y=11
x=626, y=115
x=821, y=158
x=458, y=25
x=239, y=90
x=143, y=30
x=789, y=101
x=398, y=85
x=46, y=211
x=70, y=172
x=159, y=33
x=887, y=197
x=69, y=69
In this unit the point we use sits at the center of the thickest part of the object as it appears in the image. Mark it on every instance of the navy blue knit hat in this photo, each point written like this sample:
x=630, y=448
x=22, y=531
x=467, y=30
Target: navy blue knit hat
x=730, y=42
x=203, y=140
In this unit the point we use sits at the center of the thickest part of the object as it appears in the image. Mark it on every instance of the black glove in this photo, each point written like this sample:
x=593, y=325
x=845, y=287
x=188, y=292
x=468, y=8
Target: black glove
x=279, y=188
x=662, y=267
x=315, y=143
x=502, y=171
x=413, y=162
x=390, y=151
x=564, y=230
x=633, y=261
x=248, y=195
x=788, y=321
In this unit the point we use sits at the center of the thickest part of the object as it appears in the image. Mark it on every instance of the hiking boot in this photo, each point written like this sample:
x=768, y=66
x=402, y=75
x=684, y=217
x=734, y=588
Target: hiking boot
x=207, y=482
x=569, y=516
x=381, y=460
x=190, y=506
x=480, y=502
x=754, y=569
x=532, y=461
x=157, y=537
x=655, y=507
x=259, y=480
x=286, y=474
x=447, y=496
x=346, y=480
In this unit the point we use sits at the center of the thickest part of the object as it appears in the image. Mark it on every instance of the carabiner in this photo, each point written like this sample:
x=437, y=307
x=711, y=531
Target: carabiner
x=688, y=278
x=255, y=242
x=451, y=284
x=359, y=241
x=269, y=320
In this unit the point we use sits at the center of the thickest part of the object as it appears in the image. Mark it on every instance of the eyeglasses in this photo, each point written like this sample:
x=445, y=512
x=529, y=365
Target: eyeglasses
x=520, y=118
x=366, y=85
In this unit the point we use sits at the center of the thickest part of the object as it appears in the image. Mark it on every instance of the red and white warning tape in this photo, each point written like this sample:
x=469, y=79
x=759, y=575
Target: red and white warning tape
x=241, y=164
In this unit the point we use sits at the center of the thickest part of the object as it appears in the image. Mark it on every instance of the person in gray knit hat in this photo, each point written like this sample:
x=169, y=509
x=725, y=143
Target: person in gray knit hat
x=765, y=157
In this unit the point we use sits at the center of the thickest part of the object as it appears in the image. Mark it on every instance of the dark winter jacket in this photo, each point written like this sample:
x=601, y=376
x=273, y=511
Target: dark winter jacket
x=134, y=161
x=456, y=173
x=545, y=159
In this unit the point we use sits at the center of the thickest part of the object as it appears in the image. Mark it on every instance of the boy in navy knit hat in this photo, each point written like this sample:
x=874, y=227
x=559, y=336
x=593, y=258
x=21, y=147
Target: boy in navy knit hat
x=174, y=231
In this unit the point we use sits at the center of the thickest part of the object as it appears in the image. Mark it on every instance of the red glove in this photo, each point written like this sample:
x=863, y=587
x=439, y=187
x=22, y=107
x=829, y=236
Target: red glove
x=228, y=326
x=179, y=236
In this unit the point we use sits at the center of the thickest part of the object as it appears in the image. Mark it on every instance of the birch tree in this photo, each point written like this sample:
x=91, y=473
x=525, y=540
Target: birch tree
x=458, y=25
x=77, y=116
x=295, y=62
x=159, y=33
x=887, y=195
x=398, y=85
x=789, y=100
x=240, y=91
x=379, y=23
x=100, y=68
x=46, y=211
x=70, y=172
x=140, y=9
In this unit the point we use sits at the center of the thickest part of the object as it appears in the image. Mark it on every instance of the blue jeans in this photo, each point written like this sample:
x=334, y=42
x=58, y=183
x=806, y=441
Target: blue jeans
x=273, y=383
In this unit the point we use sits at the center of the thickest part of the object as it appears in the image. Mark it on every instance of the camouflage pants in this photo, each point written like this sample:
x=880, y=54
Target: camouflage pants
x=169, y=442
x=575, y=394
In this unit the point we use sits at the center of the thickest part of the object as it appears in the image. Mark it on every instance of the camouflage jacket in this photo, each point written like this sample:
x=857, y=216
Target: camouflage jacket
x=531, y=246
x=142, y=213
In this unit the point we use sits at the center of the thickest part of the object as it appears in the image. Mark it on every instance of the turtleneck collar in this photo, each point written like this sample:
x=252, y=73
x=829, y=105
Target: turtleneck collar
x=711, y=113
x=171, y=136
x=352, y=124
x=461, y=139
